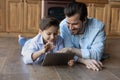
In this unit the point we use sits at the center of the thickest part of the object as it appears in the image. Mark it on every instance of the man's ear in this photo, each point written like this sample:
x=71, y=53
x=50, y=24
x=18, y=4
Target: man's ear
x=85, y=20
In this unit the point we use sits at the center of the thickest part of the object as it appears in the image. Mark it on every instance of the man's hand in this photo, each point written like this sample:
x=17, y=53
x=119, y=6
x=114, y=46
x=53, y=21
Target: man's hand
x=64, y=50
x=70, y=50
x=92, y=64
x=71, y=62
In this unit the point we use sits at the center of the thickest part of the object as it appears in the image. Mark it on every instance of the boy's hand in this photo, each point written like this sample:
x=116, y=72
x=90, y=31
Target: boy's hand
x=49, y=46
x=71, y=62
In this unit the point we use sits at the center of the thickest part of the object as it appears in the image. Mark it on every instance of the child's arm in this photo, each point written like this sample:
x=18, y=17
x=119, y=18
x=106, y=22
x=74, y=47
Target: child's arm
x=35, y=55
x=47, y=47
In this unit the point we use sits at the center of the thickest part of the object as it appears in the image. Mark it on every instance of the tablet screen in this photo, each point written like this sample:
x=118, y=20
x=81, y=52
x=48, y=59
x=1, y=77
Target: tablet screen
x=51, y=59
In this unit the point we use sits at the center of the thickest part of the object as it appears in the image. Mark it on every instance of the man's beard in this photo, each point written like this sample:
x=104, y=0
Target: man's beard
x=80, y=31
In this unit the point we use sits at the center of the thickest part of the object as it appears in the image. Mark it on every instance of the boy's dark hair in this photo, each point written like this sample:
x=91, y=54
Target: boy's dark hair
x=76, y=7
x=47, y=22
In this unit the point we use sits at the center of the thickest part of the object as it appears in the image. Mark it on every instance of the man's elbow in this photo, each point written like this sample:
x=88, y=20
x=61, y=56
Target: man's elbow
x=97, y=55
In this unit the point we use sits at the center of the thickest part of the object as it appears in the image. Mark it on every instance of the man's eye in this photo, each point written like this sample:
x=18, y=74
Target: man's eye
x=68, y=23
x=74, y=23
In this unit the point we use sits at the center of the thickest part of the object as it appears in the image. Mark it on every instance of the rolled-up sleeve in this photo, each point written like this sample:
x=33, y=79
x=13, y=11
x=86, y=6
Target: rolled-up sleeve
x=85, y=53
x=27, y=51
x=96, y=48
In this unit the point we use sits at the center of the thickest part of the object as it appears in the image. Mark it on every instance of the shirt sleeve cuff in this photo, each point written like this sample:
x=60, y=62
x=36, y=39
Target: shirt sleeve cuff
x=28, y=59
x=76, y=58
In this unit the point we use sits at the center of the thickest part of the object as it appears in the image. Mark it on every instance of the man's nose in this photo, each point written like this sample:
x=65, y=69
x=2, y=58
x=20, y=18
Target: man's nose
x=70, y=26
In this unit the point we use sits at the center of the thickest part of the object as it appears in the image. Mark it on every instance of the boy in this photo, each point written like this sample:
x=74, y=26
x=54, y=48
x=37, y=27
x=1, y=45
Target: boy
x=47, y=40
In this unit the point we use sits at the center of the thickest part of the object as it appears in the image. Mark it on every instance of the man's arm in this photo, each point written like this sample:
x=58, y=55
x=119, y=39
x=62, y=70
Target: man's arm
x=96, y=45
x=91, y=64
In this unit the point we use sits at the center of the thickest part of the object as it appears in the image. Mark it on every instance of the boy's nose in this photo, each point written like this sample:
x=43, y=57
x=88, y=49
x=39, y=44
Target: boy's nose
x=52, y=37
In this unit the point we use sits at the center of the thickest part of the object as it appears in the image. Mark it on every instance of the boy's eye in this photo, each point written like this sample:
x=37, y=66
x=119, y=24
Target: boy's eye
x=48, y=33
x=55, y=33
x=51, y=33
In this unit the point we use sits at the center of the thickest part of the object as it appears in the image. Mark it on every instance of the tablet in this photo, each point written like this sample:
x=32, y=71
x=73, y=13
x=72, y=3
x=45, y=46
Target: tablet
x=52, y=59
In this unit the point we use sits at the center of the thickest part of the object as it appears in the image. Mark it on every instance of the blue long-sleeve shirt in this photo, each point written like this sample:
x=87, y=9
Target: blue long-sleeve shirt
x=91, y=43
x=35, y=44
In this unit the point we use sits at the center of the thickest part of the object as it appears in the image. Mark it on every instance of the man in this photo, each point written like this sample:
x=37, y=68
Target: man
x=83, y=36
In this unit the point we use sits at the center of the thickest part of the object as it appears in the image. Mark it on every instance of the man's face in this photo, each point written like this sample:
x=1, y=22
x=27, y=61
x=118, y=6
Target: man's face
x=74, y=24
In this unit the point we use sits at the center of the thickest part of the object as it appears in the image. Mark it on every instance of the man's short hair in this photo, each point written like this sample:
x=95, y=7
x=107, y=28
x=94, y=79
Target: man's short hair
x=76, y=7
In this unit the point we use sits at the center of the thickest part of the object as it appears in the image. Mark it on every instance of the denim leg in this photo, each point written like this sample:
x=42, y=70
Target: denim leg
x=22, y=41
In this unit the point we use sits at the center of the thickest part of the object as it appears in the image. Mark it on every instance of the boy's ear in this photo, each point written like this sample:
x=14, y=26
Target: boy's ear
x=40, y=31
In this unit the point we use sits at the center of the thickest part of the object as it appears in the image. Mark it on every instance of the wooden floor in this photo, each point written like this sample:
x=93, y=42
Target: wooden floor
x=13, y=68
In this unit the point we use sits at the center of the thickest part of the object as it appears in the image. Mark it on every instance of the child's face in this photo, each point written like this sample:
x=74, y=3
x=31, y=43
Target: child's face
x=50, y=34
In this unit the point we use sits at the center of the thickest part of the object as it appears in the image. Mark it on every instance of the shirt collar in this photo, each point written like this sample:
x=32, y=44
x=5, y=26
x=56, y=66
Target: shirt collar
x=40, y=39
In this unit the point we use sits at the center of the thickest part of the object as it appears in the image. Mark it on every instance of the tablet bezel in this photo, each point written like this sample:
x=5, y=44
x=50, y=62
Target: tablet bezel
x=52, y=59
